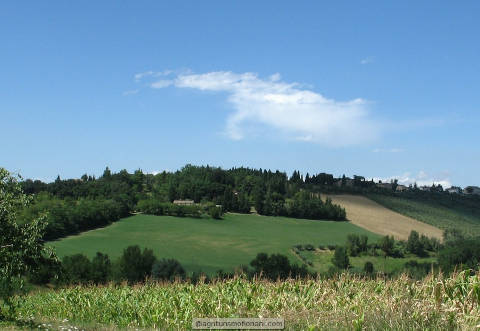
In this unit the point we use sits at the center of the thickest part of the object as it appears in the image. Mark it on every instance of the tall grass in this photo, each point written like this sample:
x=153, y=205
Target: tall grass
x=343, y=302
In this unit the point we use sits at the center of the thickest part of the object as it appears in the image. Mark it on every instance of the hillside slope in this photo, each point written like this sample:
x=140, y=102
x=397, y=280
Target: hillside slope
x=460, y=214
x=374, y=217
x=207, y=244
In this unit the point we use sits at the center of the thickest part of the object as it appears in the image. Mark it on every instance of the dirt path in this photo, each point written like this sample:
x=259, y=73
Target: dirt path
x=374, y=217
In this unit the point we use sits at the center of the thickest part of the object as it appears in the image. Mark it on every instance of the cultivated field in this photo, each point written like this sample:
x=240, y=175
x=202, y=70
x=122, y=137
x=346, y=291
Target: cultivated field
x=374, y=217
x=342, y=303
x=206, y=244
x=457, y=216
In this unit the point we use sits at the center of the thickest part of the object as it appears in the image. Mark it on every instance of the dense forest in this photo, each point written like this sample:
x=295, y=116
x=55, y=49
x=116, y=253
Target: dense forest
x=76, y=205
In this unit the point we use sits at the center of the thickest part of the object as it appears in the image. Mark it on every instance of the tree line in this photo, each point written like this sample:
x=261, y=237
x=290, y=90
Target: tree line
x=74, y=205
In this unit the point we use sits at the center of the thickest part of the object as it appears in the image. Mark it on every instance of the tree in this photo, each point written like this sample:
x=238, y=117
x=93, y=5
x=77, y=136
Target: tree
x=101, y=268
x=21, y=247
x=77, y=269
x=386, y=245
x=276, y=266
x=167, y=269
x=353, y=244
x=340, y=258
x=134, y=265
x=414, y=245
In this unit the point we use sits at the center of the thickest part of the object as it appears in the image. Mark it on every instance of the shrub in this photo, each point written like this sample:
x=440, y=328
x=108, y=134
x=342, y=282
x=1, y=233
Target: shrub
x=309, y=247
x=215, y=212
x=464, y=254
x=368, y=267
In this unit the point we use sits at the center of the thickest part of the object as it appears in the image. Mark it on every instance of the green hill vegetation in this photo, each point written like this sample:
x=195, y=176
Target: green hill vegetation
x=205, y=244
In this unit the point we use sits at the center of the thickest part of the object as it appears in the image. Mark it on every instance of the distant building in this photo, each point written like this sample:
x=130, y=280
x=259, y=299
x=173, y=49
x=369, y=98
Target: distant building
x=184, y=202
x=401, y=188
x=471, y=190
x=454, y=190
x=386, y=186
x=347, y=181
x=425, y=188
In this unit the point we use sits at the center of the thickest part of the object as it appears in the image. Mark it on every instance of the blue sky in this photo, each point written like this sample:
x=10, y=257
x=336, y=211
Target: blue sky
x=376, y=88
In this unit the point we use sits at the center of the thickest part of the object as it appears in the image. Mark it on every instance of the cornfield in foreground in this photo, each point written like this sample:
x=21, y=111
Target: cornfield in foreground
x=344, y=302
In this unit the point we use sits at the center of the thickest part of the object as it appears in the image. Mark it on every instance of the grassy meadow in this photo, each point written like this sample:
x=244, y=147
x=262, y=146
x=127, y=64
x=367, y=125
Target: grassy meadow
x=430, y=212
x=345, y=302
x=206, y=244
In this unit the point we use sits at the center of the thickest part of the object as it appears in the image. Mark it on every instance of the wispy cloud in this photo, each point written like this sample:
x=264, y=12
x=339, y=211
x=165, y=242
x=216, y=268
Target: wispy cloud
x=139, y=76
x=421, y=178
x=290, y=109
x=367, y=60
x=161, y=83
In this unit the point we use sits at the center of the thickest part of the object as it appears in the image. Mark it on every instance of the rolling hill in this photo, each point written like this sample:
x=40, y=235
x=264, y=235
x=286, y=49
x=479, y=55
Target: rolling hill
x=206, y=244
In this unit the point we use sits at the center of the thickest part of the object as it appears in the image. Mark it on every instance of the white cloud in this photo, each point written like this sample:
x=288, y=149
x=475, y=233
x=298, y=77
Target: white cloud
x=141, y=75
x=367, y=60
x=138, y=77
x=161, y=83
x=421, y=178
x=288, y=108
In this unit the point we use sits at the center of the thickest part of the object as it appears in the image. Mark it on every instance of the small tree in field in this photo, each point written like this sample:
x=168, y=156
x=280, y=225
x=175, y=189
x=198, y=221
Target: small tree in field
x=21, y=246
x=386, y=244
x=340, y=258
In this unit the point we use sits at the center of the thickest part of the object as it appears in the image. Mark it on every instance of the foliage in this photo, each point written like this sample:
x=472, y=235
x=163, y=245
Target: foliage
x=368, y=267
x=356, y=244
x=66, y=217
x=101, y=268
x=21, y=247
x=276, y=266
x=215, y=212
x=77, y=269
x=167, y=269
x=135, y=266
x=461, y=254
x=155, y=207
x=340, y=258
x=387, y=244
x=414, y=245
x=302, y=205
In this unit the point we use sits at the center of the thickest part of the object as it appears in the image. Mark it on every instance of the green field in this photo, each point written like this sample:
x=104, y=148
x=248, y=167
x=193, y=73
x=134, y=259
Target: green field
x=206, y=244
x=457, y=217
x=322, y=260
